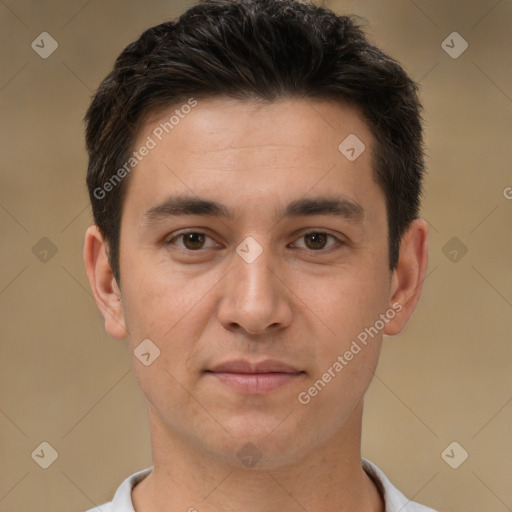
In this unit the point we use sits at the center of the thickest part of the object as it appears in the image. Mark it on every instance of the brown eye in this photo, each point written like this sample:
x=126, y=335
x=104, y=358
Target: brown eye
x=315, y=241
x=193, y=241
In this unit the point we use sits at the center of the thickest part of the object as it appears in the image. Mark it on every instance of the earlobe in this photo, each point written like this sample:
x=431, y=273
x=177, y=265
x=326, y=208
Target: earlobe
x=408, y=276
x=103, y=284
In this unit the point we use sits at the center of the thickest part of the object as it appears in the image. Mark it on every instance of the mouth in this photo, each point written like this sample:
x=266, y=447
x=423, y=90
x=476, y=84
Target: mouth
x=255, y=378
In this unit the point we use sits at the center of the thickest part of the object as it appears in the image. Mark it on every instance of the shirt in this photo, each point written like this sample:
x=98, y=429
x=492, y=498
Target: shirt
x=393, y=499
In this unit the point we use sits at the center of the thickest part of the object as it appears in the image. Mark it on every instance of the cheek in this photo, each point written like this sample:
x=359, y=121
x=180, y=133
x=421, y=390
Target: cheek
x=171, y=311
x=347, y=352
x=346, y=301
x=160, y=298
x=174, y=310
x=348, y=315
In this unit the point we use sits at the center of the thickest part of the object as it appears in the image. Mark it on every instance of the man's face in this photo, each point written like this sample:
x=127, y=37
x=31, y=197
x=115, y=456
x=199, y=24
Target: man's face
x=316, y=222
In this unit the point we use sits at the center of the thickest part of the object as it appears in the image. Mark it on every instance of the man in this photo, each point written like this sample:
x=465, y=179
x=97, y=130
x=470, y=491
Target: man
x=255, y=174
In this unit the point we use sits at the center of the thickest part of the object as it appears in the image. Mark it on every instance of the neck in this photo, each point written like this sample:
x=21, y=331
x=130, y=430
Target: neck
x=330, y=477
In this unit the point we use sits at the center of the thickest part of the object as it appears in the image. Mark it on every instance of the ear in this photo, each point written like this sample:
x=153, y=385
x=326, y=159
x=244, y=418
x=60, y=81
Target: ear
x=408, y=276
x=103, y=284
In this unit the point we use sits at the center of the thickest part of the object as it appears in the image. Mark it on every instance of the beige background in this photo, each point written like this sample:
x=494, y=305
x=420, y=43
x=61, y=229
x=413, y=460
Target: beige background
x=446, y=378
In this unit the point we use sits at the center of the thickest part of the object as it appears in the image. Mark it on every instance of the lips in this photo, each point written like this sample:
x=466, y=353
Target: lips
x=255, y=377
x=244, y=366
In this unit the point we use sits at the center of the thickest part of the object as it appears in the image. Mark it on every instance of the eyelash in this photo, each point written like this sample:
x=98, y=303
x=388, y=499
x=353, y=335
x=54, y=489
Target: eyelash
x=339, y=242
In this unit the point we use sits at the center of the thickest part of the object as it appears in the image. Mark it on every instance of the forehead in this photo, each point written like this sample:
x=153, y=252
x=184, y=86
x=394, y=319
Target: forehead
x=219, y=123
x=239, y=149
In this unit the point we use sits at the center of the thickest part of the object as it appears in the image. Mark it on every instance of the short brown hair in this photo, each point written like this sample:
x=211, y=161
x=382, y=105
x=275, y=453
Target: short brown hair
x=265, y=50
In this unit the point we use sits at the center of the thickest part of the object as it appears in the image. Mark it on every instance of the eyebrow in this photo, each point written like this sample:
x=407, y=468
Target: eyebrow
x=174, y=206
x=339, y=206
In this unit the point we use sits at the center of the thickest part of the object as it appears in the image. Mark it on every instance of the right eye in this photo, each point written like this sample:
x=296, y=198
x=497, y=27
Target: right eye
x=192, y=241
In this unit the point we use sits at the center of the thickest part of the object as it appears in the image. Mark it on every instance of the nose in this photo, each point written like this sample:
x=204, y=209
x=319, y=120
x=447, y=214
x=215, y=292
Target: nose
x=255, y=298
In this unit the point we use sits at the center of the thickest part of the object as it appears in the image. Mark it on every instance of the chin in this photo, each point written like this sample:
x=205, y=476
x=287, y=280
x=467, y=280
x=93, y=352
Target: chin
x=260, y=444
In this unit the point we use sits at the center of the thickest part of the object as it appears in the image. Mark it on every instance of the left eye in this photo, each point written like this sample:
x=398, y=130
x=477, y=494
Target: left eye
x=316, y=241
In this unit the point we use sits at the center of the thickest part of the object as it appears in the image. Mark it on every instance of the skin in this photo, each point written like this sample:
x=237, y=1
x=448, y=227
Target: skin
x=295, y=304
